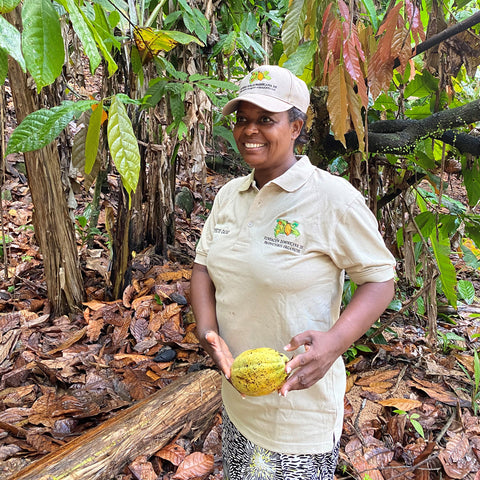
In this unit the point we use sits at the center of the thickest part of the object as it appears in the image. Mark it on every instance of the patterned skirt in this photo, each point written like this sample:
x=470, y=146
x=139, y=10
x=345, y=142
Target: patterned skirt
x=243, y=460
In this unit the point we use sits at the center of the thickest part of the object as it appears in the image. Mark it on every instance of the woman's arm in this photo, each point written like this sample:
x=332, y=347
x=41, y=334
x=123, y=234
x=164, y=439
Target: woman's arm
x=323, y=348
x=202, y=292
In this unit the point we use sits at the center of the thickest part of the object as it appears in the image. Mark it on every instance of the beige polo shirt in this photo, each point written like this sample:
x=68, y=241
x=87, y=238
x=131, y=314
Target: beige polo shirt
x=277, y=258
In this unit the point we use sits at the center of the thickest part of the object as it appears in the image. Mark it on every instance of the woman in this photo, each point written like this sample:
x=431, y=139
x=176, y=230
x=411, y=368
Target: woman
x=269, y=272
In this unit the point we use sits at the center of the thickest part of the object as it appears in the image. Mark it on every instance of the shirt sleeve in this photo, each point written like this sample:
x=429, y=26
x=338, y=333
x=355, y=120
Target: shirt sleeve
x=359, y=247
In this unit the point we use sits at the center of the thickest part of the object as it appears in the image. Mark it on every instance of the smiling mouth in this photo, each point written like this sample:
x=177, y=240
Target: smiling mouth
x=254, y=145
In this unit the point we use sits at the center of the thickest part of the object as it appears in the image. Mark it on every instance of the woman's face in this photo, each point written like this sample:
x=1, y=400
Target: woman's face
x=265, y=140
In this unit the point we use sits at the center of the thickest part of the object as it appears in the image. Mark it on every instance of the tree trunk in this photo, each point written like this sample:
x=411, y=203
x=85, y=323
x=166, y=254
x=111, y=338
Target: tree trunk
x=54, y=228
x=187, y=403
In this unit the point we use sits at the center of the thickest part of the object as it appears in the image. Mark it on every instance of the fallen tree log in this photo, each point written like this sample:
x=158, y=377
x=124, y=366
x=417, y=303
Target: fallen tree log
x=141, y=429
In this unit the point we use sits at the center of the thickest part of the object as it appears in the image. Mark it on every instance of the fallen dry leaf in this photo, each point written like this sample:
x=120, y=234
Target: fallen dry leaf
x=142, y=469
x=377, y=377
x=174, y=453
x=458, y=458
x=405, y=404
x=196, y=464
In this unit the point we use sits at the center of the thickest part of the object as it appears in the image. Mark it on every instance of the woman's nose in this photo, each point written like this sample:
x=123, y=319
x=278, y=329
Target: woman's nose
x=251, y=127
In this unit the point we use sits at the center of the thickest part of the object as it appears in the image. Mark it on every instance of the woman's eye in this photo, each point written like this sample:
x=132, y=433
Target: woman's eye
x=266, y=119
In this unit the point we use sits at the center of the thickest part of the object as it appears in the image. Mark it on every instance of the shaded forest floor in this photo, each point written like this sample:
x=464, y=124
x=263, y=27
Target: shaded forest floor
x=410, y=405
x=409, y=410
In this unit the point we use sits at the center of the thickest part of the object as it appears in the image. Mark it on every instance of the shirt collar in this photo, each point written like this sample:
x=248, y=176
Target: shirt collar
x=290, y=181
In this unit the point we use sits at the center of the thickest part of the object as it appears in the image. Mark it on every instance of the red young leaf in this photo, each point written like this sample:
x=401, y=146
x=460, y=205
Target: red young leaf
x=416, y=27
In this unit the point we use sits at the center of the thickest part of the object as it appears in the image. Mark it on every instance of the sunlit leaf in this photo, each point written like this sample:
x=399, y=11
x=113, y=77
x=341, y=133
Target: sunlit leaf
x=123, y=146
x=42, y=42
x=42, y=126
x=93, y=137
x=10, y=42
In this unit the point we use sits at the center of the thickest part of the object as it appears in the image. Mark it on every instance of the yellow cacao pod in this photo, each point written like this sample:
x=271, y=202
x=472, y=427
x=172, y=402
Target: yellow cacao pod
x=259, y=371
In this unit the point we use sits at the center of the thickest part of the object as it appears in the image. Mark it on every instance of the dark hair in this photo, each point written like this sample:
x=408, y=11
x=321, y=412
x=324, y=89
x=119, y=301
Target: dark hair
x=296, y=114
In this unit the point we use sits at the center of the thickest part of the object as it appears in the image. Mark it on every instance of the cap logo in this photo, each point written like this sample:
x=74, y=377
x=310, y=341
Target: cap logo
x=265, y=75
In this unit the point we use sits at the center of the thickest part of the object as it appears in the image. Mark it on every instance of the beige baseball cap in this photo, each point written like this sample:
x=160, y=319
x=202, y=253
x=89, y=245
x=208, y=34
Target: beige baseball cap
x=276, y=89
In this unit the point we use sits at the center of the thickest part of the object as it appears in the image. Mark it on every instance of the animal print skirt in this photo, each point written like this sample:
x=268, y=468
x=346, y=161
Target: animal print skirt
x=243, y=460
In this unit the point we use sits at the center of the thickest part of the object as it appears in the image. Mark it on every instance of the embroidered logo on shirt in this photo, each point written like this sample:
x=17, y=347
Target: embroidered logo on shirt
x=286, y=228
x=260, y=76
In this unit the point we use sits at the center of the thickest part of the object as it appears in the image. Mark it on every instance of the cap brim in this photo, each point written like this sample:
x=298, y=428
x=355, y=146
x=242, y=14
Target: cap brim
x=270, y=104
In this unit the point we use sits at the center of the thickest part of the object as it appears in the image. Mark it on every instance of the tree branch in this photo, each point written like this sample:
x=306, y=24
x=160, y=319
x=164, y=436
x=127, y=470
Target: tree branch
x=400, y=136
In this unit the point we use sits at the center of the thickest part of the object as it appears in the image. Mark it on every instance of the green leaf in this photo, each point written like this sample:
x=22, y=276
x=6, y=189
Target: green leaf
x=42, y=42
x=469, y=258
x=230, y=43
x=8, y=5
x=3, y=66
x=181, y=37
x=476, y=369
x=226, y=134
x=466, y=290
x=363, y=348
x=292, y=30
x=104, y=27
x=441, y=250
x=297, y=62
x=177, y=107
x=248, y=43
x=372, y=12
x=471, y=179
x=426, y=222
x=123, y=146
x=155, y=91
x=423, y=85
x=10, y=41
x=448, y=276
x=42, y=126
x=218, y=83
x=395, y=305
x=93, y=137
x=472, y=228
x=84, y=34
x=417, y=426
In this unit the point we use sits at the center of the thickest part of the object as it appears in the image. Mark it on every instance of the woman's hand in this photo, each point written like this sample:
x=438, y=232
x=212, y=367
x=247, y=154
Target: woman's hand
x=309, y=367
x=219, y=352
x=323, y=348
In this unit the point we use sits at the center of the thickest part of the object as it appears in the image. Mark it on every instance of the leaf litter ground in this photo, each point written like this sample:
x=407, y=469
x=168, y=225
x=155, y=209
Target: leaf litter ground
x=408, y=406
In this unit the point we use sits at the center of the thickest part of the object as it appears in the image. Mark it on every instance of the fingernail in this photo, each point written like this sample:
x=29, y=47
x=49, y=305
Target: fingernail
x=288, y=369
x=286, y=347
